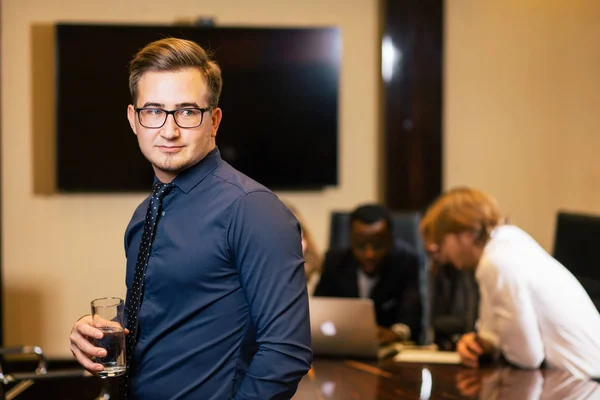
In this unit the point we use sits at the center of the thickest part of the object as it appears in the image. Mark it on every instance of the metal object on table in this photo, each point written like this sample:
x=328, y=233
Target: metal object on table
x=24, y=380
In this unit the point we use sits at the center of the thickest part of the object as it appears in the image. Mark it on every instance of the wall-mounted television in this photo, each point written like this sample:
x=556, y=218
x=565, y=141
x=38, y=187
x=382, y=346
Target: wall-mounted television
x=279, y=102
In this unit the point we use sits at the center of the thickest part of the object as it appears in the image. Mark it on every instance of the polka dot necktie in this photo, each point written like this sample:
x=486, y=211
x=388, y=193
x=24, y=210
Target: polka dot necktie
x=137, y=286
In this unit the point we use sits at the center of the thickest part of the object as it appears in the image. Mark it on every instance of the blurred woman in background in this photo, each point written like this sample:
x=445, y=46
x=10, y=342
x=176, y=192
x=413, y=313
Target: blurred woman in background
x=312, y=256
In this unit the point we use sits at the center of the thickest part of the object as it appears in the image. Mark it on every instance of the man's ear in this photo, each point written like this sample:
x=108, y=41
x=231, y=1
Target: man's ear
x=215, y=116
x=131, y=117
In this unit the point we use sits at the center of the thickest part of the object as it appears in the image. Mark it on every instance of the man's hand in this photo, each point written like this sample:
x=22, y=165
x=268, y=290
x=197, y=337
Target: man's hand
x=81, y=335
x=468, y=382
x=386, y=335
x=470, y=347
x=472, y=382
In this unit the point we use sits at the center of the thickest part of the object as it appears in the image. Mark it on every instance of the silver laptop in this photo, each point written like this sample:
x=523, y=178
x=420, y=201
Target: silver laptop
x=343, y=327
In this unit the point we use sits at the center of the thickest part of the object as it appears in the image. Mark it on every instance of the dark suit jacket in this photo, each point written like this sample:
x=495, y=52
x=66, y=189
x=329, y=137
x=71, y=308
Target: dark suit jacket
x=395, y=295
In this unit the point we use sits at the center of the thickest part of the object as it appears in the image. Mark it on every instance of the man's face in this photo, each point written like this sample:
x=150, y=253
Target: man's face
x=170, y=148
x=370, y=243
x=457, y=249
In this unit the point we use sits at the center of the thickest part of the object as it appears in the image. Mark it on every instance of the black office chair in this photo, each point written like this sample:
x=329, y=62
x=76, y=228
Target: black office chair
x=405, y=229
x=576, y=244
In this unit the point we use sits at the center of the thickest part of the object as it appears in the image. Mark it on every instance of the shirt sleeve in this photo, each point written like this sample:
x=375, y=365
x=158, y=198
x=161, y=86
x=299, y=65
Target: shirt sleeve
x=264, y=238
x=507, y=314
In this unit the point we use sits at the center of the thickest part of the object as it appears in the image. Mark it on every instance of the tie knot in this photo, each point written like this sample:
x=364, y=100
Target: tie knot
x=160, y=189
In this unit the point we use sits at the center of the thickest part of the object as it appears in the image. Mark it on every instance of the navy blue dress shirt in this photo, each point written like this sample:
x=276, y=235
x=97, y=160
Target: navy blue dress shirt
x=224, y=313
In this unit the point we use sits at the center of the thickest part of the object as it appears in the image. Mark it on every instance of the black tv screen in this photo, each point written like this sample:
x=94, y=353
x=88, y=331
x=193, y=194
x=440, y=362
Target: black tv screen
x=279, y=102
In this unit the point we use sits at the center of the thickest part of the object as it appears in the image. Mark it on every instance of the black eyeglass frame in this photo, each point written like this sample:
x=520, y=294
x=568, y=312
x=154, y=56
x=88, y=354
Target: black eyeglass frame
x=171, y=112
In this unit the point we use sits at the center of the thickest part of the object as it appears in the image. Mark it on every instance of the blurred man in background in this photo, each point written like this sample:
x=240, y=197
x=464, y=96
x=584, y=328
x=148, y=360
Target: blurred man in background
x=380, y=268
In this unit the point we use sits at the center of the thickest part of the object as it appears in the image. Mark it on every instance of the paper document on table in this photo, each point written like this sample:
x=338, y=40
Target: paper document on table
x=427, y=356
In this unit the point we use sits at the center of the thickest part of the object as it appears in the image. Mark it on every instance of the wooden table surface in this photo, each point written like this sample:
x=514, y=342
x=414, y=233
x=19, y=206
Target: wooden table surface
x=349, y=379
x=345, y=379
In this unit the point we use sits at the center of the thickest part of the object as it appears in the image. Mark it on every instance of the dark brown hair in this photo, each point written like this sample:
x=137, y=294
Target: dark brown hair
x=172, y=54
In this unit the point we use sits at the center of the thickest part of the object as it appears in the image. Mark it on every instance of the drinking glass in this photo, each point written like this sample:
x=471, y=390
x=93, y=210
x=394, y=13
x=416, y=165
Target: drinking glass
x=107, y=315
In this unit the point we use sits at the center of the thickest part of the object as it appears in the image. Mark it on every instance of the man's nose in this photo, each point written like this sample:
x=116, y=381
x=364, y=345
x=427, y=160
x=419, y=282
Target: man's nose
x=170, y=129
x=369, y=251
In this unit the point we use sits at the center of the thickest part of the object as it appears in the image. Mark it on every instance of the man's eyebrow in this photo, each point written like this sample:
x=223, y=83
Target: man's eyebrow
x=178, y=105
x=182, y=105
x=149, y=104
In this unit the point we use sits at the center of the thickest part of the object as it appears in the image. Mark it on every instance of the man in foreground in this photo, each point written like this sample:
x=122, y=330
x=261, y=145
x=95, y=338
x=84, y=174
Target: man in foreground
x=216, y=303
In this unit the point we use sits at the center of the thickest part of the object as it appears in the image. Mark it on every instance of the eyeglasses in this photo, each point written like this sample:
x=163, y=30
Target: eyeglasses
x=154, y=118
x=376, y=245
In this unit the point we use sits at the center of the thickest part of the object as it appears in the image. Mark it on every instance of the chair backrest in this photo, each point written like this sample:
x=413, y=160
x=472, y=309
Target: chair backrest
x=405, y=229
x=576, y=243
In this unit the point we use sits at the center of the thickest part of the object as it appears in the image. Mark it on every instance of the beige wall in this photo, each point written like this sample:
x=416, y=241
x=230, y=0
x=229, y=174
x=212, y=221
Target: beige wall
x=521, y=120
x=522, y=105
x=61, y=251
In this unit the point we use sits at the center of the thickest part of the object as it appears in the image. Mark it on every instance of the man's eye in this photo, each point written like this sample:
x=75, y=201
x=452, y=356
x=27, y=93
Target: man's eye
x=188, y=113
x=152, y=111
x=374, y=245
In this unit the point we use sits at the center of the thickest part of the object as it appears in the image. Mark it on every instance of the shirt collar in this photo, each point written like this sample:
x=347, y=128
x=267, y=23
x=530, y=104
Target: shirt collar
x=192, y=176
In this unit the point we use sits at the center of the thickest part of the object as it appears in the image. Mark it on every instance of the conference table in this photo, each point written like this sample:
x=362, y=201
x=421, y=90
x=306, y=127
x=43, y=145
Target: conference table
x=338, y=379
x=348, y=379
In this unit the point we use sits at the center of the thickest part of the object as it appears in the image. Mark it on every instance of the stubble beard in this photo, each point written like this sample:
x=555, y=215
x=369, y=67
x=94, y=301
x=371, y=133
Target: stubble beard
x=169, y=163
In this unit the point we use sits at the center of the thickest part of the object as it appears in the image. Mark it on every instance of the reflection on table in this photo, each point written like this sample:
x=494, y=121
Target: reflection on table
x=365, y=380
x=345, y=379
x=504, y=383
